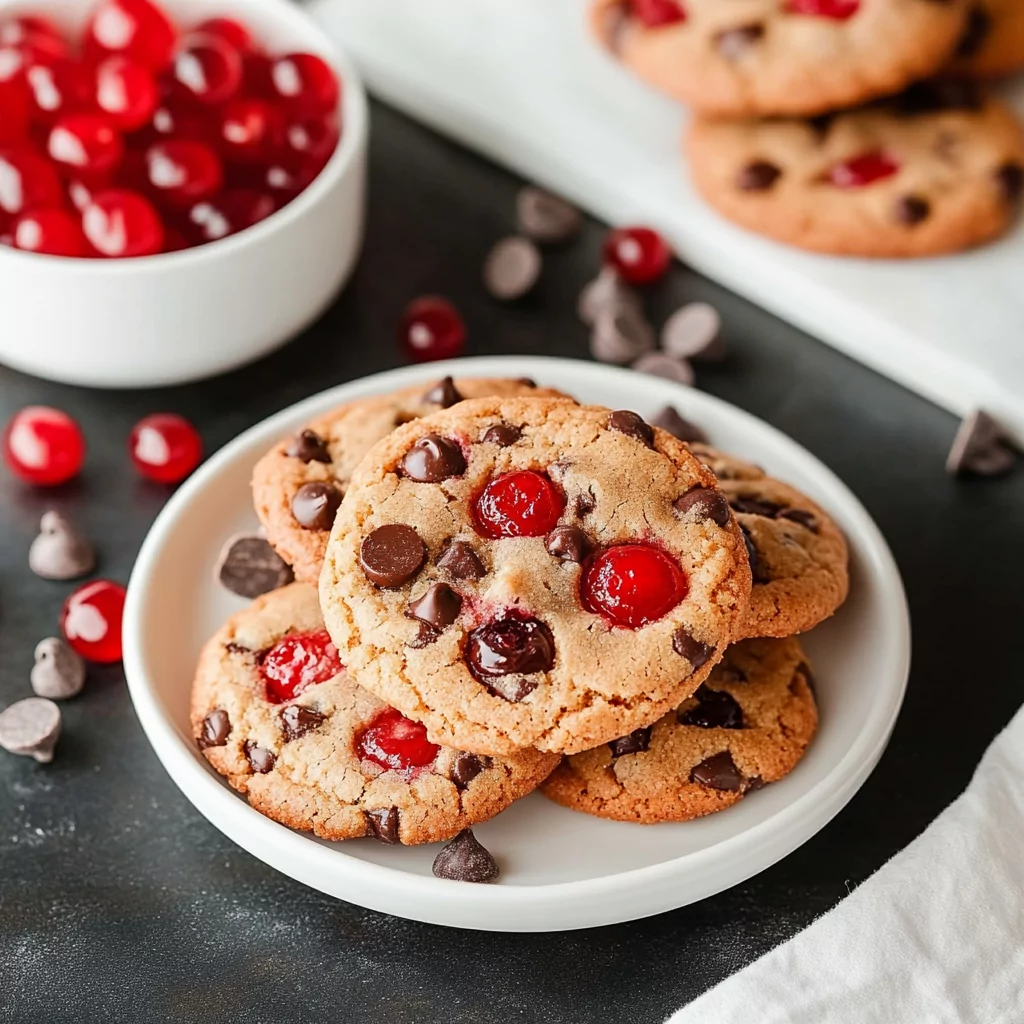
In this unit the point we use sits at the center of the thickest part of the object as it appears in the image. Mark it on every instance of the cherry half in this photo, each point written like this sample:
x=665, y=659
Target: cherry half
x=838, y=10
x=165, y=448
x=91, y=620
x=431, y=328
x=632, y=585
x=394, y=741
x=657, y=13
x=298, y=662
x=639, y=255
x=43, y=446
x=862, y=170
x=520, y=504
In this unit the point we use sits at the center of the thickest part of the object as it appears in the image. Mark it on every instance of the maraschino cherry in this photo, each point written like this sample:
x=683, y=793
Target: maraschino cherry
x=298, y=662
x=165, y=448
x=91, y=620
x=632, y=585
x=43, y=446
x=521, y=504
x=394, y=741
x=639, y=255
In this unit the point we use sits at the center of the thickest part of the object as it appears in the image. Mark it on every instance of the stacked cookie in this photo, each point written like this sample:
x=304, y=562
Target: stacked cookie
x=515, y=591
x=822, y=123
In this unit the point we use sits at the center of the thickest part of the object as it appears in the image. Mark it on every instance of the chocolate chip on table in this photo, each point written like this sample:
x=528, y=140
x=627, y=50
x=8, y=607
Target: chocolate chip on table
x=719, y=772
x=636, y=742
x=31, y=727
x=438, y=607
x=315, y=505
x=661, y=364
x=309, y=447
x=249, y=567
x=546, y=218
x=502, y=654
x=461, y=561
x=512, y=268
x=982, y=446
x=58, y=672
x=465, y=860
x=694, y=331
x=432, y=459
x=632, y=425
x=1010, y=179
x=424, y=637
x=215, y=729
x=704, y=503
x=444, y=393
x=568, y=544
x=733, y=43
x=620, y=336
x=687, y=646
x=260, y=761
x=715, y=709
x=607, y=292
x=297, y=720
x=60, y=552
x=911, y=210
x=383, y=825
x=392, y=555
x=670, y=420
x=758, y=176
x=466, y=767
x=502, y=434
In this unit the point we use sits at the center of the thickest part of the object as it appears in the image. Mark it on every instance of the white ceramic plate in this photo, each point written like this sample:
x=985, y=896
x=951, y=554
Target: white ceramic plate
x=560, y=869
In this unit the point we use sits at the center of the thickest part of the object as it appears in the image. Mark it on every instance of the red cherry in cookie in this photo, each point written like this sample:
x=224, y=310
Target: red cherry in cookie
x=838, y=10
x=862, y=170
x=657, y=13
x=639, y=255
x=298, y=662
x=43, y=446
x=91, y=620
x=521, y=504
x=165, y=448
x=394, y=741
x=632, y=585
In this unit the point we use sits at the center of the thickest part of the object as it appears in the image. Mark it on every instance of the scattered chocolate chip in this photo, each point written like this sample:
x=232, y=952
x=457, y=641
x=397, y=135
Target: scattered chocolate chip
x=821, y=124
x=911, y=210
x=424, y=637
x=499, y=654
x=236, y=648
x=383, y=825
x=719, y=772
x=802, y=516
x=704, y=503
x=60, y=552
x=754, y=784
x=465, y=860
x=512, y=268
x=976, y=31
x=461, y=562
x=31, y=727
x=444, y=393
x=438, y=607
x=757, y=571
x=632, y=425
x=756, y=507
x=620, y=336
x=392, y=555
x=260, y=761
x=687, y=646
x=527, y=381
x=733, y=43
x=670, y=420
x=249, y=567
x=546, y=218
x=758, y=176
x=315, y=505
x=466, y=767
x=432, y=459
x=694, y=332
x=58, y=672
x=215, y=729
x=297, y=720
x=1010, y=179
x=502, y=434
x=308, y=446
x=715, y=709
x=607, y=292
x=982, y=446
x=939, y=94
x=568, y=544
x=635, y=743
x=583, y=504
x=661, y=364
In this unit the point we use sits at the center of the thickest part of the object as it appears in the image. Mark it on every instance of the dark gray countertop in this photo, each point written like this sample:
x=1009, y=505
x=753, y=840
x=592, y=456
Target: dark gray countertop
x=118, y=902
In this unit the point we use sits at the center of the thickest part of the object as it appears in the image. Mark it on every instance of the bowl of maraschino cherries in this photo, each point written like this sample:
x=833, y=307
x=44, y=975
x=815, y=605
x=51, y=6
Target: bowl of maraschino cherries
x=162, y=165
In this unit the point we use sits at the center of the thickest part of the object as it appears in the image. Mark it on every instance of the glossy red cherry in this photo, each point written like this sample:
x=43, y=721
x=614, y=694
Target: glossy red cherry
x=657, y=13
x=132, y=28
x=207, y=69
x=298, y=662
x=231, y=31
x=26, y=28
x=632, y=585
x=91, y=620
x=165, y=448
x=43, y=446
x=839, y=10
x=174, y=240
x=311, y=141
x=126, y=92
x=305, y=84
x=226, y=214
x=86, y=145
x=119, y=223
x=431, y=328
x=56, y=89
x=14, y=105
x=176, y=118
x=521, y=504
x=394, y=741
x=250, y=130
x=182, y=172
x=27, y=181
x=862, y=170
x=52, y=232
x=639, y=255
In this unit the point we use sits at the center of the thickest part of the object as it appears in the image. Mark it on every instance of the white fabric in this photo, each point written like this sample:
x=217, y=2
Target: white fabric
x=934, y=937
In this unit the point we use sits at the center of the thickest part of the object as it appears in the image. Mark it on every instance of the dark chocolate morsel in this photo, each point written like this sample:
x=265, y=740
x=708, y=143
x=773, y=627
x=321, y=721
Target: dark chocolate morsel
x=392, y=555
x=297, y=720
x=424, y=637
x=704, y=503
x=937, y=94
x=250, y=567
x=461, y=562
x=719, y=772
x=754, y=784
x=444, y=393
x=758, y=176
x=976, y=31
x=687, y=646
x=982, y=446
x=512, y=268
x=632, y=425
x=308, y=446
x=670, y=420
x=499, y=654
x=546, y=218
x=438, y=606
x=715, y=709
x=583, y=504
x=502, y=434
x=465, y=860
x=215, y=730
x=237, y=648
x=757, y=571
x=733, y=43
x=382, y=824
x=315, y=505
x=911, y=210
x=466, y=767
x=635, y=743
x=1010, y=178
x=260, y=761
x=432, y=459
x=756, y=507
x=568, y=543
x=802, y=516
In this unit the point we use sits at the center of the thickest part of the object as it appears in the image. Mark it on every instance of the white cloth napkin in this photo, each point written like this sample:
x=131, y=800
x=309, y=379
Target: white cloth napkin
x=936, y=936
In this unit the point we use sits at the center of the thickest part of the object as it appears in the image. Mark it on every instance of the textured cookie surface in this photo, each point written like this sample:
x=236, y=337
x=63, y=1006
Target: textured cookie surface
x=300, y=760
x=748, y=725
x=746, y=58
x=486, y=639
x=992, y=42
x=329, y=450
x=937, y=170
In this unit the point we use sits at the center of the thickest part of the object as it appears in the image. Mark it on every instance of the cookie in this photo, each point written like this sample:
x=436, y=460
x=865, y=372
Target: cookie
x=937, y=170
x=748, y=725
x=761, y=57
x=725, y=466
x=992, y=42
x=530, y=572
x=274, y=712
x=298, y=485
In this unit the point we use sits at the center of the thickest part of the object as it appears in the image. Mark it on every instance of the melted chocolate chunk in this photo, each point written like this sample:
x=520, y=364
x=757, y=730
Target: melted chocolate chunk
x=704, y=503
x=802, y=516
x=568, y=543
x=715, y=709
x=733, y=43
x=756, y=507
x=432, y=459
x=383, y=825
x=976, y=31
x=444, y=393
x=758, y=176
x=632, y=425
x=502, y=434
x=754, y=784
x=499, y=654
x=670, y=420
x=315, y=505
x=438, y=606
x=392, y=555
x=757, y=572
x=466, y=767
x=689, y=647
x=461, y=562
x=309, y=447
x=425, y=637
x=583, y=504
x=911, y=210
x=236, y=648
x=1010, y=179
x=297, y=720
x=215, y=730
x=465, y=860
x=719, y=772
x=260, y=761
x=938, y=94
x=635, y=743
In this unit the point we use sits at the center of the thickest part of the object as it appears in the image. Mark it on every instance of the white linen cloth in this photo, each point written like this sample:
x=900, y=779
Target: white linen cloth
x=936, y=936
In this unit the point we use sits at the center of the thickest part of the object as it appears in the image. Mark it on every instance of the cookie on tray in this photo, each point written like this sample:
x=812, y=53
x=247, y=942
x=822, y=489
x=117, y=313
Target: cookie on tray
x=275, y=713
x=744, y=58
x=531, y=572
x=992, y=43
x=936, y=170
x=298, y=485
x=748, y=725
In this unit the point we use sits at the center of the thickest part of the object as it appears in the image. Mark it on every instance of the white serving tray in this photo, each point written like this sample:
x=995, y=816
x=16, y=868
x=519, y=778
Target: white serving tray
x=522, y=82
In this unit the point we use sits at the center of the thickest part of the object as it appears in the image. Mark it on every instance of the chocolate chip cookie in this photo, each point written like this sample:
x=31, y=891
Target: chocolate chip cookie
x=992, y=42
x=938, y=169
x=275, y=713
x=530, y=572
x=765, y=57
x=748, y=725
x=298, y=485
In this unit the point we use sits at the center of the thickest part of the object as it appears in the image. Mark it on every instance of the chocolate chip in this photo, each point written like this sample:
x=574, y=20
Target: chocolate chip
x=939, y=94
x=620, y=335
x=444, y=393
x=31, y=727
x=466, y=767
x=660, y=364
x=733, y=43
x=58, y=672
x=694, y=332
x=315, y=505
x=982, y=446
x=757, y=573
x=383, y=824
x=719, y=772
x=821, y=124
x=758, y=176
x=687, y=646
x=911, y=210
x=465, y=860
x=512, y=268
x=754, y=784
x=802, y=516
x=976, y=31
x=607, y=292
x=568, y=543
x=583, y=504
x=461, y=562
x=804, y=670
x=392, y=555
x=526, y=381
x=437, y=607
x=237, y=648
x=756, y=507
x=715, y=709
x=308, y=446
x=546, y=218
x=502, y=434
x=704, y=503
x=297, y=720
x=432, y=459
x=215, y=730
x=60, y=552
x=249, y=567
x=635, y=743
x=1010, y=179
x=424, y=638
x=670, y=420
x=499, y=654
x=630, y=424
x=260, y=761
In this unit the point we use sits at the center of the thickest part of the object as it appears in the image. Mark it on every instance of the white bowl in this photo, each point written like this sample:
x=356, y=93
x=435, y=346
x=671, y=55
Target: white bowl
x=165, y=319
x=560, y=869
